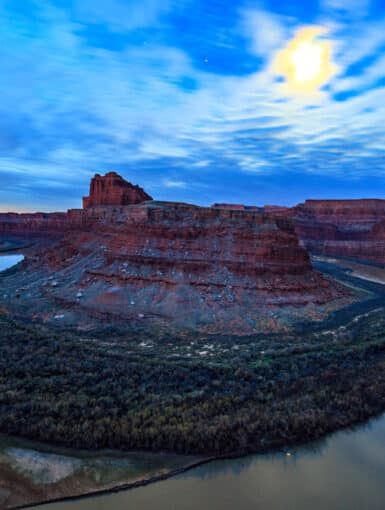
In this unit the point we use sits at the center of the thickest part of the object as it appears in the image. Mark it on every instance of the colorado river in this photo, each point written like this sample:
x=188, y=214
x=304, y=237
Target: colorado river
x=7, y=261
x=346, y=471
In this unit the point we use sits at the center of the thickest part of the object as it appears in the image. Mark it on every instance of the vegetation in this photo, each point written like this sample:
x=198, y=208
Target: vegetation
x=186, y=393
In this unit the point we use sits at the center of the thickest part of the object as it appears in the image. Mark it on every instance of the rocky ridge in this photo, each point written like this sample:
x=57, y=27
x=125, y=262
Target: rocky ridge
x=214, y=269
x=346, y=228
x=218, y=268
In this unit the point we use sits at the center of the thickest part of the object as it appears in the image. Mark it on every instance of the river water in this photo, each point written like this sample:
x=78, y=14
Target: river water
x=345, y=471
x=7, y=261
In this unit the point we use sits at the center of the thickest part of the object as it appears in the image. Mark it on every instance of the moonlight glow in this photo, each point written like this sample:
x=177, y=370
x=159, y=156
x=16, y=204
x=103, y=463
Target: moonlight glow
x=306, y=61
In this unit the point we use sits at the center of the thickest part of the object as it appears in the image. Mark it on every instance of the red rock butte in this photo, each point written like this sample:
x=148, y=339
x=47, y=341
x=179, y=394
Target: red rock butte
x=112, y=189
x=345, y=228
x=220, y=268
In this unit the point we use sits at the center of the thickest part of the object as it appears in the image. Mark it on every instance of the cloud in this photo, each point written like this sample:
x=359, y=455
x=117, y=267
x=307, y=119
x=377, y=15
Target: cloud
x=121, y=15
x=266, y=31
x=348, y=8
x=174, y=184
x=163, y=118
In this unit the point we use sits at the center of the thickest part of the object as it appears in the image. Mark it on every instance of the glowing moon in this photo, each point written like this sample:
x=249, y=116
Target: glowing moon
x=306, y=61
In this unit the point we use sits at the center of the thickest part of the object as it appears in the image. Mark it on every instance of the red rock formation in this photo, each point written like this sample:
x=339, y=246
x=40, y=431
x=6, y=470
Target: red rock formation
x=211, y=268
x=347, y=228
x=220, y=268
x=112, y=189
x=277, y=209
x=240, y=207
x=33, y=224
x=246, y=240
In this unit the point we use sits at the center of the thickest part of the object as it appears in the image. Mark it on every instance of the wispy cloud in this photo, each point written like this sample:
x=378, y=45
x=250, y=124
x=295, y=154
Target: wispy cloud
x=99, y=87
x=168, y=183
x=121, y=15
x=267, y=31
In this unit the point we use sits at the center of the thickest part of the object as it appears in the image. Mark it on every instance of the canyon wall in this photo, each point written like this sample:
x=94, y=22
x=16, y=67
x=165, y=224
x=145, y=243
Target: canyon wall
x=347, y=228
x=209, y=268
x=220, y=268
x=33, y=224
x=105, y=190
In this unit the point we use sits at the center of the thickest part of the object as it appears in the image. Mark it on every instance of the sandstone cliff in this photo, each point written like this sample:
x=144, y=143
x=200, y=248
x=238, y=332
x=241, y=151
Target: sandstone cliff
x=209, y=268
x=33, y=224
x=222, y=268
x=348, y=228
x=112, y=189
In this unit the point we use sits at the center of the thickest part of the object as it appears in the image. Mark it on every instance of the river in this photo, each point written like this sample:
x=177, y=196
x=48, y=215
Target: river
x=7, y=261
x=345, y=471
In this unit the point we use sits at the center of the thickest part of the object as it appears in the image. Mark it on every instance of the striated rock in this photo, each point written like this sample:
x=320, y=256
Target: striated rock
x=240, y=207
x=33, y=224
x=220, y=268
x=112, y=189
x=277, y=209
x=208, y=268
x=347, y=228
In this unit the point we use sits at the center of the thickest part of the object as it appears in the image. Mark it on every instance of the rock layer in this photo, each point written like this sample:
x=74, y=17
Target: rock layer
x=347, y=228
x=208, y=268
x=222, y=268
x=33, y=224
x=112, y=189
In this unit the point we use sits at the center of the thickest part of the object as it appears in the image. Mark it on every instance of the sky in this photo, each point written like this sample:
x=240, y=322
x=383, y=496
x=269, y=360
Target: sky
x=198, y=101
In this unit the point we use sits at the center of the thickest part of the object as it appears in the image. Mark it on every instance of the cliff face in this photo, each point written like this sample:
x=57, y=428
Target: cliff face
x=349, y=228
x=209, y=268
x=172, y=233
x=112, y=189
x=221, y=268
x=240, y=207
x=108, y=190
x=34, y=224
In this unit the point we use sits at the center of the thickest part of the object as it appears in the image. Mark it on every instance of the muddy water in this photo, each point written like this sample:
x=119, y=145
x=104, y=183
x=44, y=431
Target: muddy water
x=346, y=471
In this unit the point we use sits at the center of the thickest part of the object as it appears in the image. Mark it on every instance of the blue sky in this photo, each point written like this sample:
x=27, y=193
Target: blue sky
x=179, y=96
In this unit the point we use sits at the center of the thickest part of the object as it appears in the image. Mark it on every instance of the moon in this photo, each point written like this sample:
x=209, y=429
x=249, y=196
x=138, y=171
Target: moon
x=306, y=61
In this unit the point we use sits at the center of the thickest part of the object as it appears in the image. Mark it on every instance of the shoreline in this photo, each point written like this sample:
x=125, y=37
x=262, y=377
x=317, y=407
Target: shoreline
x=348, y=420
x=358, y=269
x=126, y=486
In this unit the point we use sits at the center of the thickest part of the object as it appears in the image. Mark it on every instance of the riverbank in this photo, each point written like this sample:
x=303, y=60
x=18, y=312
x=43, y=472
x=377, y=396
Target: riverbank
x=288, y=452
x=211, y=397
x=343, y=470
x=14, y=245
x=33, y=473
x=368, y=272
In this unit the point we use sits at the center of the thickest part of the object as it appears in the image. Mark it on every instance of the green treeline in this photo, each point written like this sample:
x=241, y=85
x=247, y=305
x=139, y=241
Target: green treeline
x=85, y=393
